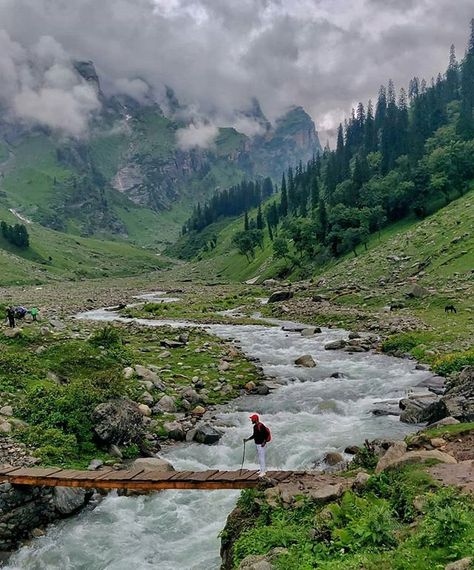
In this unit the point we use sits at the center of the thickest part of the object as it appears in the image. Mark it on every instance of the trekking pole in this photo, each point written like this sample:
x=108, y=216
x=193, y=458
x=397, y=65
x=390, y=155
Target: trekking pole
x=243, y=459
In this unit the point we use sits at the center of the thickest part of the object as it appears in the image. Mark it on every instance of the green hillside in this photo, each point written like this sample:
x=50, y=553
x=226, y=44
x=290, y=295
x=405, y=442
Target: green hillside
x=57, y=256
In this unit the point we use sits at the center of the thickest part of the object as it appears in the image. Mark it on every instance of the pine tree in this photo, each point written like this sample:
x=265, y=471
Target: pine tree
x=466, y=122
x=452, y=76
x=260, y=224
x=283, y=199
x=246, y=222
x=370, y=142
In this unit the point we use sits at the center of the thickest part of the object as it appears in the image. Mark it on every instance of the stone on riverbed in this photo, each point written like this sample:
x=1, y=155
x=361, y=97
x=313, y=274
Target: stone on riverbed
x=118, y=421
x=307, y=361
x=207, y=434
x=335, y=345
x=67, y=500
x=278, y=296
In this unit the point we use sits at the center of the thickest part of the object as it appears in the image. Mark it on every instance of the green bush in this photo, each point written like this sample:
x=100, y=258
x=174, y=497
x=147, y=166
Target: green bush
x=52, y=445
x=453, y=362
x=108, y=337
x=403, y=342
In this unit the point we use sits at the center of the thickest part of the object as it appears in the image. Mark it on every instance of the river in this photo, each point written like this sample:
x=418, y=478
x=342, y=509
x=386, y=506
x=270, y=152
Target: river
x=309, y=415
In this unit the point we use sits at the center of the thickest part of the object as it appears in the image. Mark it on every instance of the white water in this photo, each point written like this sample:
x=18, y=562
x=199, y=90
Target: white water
x=309, y=415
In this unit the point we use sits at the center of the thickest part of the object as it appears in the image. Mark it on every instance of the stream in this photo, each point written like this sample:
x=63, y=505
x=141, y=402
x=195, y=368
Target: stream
x=309, y=415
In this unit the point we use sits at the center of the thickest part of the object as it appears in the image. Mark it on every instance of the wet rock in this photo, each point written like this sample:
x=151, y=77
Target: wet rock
x=435, y=384
x=333, y=458
x=118, y=421
x=67, y=500
x=354, y=335
x=352, y=449
x=306, y=361
x=278, y=296
x=207, y=434
x=419, y=409
x=263, y=390
x=338, y=375
x=335, y=345
x=309, y=332
x=152, y=464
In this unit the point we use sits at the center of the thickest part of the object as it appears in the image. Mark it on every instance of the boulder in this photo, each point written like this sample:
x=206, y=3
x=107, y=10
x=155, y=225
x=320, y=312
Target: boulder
x=278, y=296
x=5, y=427
x=167, y=343
x=95, y=464
x=192, y=396
x=263, y=390
x=352, y=449
x=199, y=411
x=311, y=331
x=417, y=292
x=326, y=493
x=463, y=564
x=250, y=386
x=333, y=458
x=175, y=431
x=144, y=410
x=270, y=283
x=449, y=421
x=147, y=398
x=419, y=409
x=437, y=442
x=167, y=404
x=338, y=375
x=207, y=434
x=398, y=457
x=335, y=345
x=145, y=373
x=6, y=411
x=67, y=500
x=118, y=422
x=361, y=480
x=458, y=401
x=152, y=464
x=128, y=372
x=306, y=361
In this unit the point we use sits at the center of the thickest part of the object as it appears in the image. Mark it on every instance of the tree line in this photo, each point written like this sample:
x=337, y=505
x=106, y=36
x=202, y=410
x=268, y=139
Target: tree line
x=410, y=153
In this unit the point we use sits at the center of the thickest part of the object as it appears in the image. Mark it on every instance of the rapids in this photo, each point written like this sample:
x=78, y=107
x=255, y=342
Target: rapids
x=309, y=415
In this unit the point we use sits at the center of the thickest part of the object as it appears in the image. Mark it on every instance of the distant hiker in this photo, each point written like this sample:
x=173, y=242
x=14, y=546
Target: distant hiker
x=34, y=313
x=11, y=317
x=450, y=309
x=261, y=436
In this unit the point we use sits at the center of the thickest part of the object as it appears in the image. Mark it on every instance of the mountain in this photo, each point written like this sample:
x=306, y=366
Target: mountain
x=132, y=178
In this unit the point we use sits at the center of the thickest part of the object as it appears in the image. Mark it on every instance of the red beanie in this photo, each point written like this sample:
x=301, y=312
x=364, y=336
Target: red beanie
x=255, y=417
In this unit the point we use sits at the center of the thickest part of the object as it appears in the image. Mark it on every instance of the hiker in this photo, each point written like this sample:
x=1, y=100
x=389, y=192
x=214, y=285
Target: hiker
x=11, y=317
x=34, y=313
x=261, y=436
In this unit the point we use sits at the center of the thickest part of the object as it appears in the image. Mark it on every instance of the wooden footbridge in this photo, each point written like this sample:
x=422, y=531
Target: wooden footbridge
x=138, y=479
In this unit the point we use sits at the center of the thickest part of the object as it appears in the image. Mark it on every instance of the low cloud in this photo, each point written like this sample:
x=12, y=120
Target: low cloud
x=39, y=86
x=196, y=135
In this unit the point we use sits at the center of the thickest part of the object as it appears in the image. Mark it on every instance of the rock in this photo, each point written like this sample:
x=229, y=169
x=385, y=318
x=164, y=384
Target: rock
x=399, y=458
x=270, y=283
x=278, y=296
x=145, y=373
x=395, y=452
x=437, y=442
x=463, y=564
x=352, y=449
x=165, y=354
x=147, y=398
x=458, y=401
x=144, y=410
x=223, y=366
x=167, y=404
x=6, y=411
x=198, y=411
x=37, y=533
x=192, y=396
x=333, y=458
x=95, y=464
x=450, y=421
x=207, y=434
x=435, y=384
x=361, y=480
x=167, y=343
x=338, y=375
x=354, y=335
x=306, y=361
x=5, y=427
x=309, y=331
x=118, y=422
x=250, y=386
x=263, y=390
x=128, y=372
x=419, y=409
x=67, y=500
x=152, y=464
x=417, y=292
x=175, y=431
x=335, y=345
x=326, y=493
x=318, y=298
x=254, y=562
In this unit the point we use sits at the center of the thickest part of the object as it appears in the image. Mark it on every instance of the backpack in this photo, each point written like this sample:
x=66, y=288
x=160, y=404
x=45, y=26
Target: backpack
x=269, y=435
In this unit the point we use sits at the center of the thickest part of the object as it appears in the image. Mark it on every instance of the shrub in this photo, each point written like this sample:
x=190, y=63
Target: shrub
x=53, y=445
x=108, y=337
x=404, y=342
x=453, y=362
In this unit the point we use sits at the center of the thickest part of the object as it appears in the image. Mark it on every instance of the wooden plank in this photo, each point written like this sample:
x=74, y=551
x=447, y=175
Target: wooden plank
x=250, y=474
x=36, y=472
x=95, y=474
x=182, y=475
x=229, y=476
x=155, y=475
x=121, y=475
x=66, y=474
x=203, y=475
x=8, y=469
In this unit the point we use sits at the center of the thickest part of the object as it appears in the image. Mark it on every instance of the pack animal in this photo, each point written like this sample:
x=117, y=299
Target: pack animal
x=450, y=309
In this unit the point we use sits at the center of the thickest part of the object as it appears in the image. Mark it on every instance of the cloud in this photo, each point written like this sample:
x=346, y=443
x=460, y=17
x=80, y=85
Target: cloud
x=196, y=135
x=40, y=86
x=325, y=55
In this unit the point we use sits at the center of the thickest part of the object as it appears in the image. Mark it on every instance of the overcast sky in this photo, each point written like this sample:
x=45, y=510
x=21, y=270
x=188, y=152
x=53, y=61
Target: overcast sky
x=217, y=54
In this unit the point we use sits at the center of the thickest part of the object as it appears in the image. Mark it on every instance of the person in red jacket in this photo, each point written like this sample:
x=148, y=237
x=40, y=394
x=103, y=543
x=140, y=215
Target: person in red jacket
x=261, y=436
